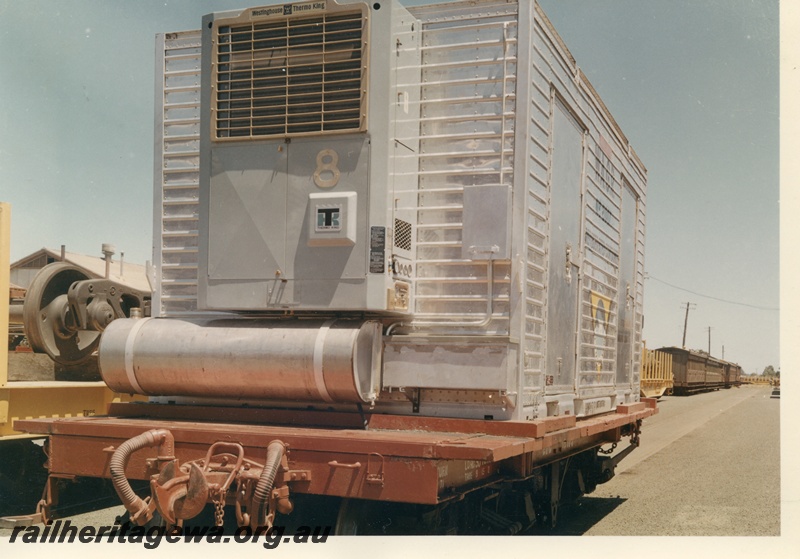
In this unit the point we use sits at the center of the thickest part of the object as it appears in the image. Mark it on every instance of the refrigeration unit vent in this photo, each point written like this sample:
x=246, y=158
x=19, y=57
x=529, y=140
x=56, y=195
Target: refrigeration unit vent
x=402, y=234
x=290, y=76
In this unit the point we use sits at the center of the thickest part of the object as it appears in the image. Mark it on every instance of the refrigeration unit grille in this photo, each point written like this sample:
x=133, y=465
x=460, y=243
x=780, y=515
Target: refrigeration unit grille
x=402, y=234
x=290, y=76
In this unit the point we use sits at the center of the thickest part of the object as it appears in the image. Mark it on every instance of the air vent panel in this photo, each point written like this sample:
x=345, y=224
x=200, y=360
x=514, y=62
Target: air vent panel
x=290, y=76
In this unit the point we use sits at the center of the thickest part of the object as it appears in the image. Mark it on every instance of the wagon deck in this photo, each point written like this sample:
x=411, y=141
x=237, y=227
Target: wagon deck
x=420, y=460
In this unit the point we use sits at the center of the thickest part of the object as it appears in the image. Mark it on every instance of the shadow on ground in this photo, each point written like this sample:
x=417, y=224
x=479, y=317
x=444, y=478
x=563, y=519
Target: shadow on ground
x=576, y=519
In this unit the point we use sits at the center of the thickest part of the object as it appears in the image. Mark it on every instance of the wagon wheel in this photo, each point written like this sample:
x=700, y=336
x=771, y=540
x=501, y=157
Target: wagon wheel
x=49, y=324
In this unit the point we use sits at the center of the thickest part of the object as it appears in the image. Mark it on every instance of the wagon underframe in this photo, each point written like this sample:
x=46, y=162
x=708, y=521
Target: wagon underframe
x=422, y=460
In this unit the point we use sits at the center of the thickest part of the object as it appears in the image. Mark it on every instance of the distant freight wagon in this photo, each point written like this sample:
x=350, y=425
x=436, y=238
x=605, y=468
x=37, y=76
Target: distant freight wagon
x=657, y=379
x=697, y=371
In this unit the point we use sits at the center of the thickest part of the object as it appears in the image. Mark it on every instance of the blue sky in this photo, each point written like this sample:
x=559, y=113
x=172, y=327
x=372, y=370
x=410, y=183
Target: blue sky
x=693, y=84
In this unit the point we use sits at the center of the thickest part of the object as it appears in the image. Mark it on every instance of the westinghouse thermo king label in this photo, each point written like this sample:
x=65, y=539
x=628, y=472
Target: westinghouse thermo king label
x=289, y=9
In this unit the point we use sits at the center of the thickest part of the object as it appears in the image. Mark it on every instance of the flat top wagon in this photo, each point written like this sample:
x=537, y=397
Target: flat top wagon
x=398, y=272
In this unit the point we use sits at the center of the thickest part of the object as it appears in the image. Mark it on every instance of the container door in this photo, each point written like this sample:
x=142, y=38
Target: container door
x=247, y=213
x=626, y=297
x=565, y=232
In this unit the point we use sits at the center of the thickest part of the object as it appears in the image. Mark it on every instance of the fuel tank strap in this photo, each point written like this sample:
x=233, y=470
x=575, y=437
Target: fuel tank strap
x=319, y=345
x=130, y=373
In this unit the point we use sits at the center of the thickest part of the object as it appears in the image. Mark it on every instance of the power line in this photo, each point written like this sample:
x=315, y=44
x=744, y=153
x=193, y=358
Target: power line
x=650, y=276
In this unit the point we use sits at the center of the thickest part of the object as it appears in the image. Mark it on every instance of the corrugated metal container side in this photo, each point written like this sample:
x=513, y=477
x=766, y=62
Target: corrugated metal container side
x=561, y=153
x=177, y=173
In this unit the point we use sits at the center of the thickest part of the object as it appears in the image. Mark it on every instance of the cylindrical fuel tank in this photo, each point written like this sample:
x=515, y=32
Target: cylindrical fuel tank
x=300, y=360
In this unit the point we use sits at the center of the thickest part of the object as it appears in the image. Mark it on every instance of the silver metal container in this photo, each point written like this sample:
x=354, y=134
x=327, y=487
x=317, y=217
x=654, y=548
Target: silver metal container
x=311, y=361
x=504, y=204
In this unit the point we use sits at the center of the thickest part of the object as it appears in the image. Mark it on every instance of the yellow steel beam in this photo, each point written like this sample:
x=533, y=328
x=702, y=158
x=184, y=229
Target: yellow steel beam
x=26, y=400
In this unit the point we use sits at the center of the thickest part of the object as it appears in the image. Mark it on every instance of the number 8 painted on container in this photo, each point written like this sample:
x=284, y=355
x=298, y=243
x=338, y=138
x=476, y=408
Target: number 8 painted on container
x=327, y=173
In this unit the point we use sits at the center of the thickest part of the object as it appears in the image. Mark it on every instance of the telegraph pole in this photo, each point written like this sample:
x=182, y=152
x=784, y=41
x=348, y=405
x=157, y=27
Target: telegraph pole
x=709, y=340
x=685, y=322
